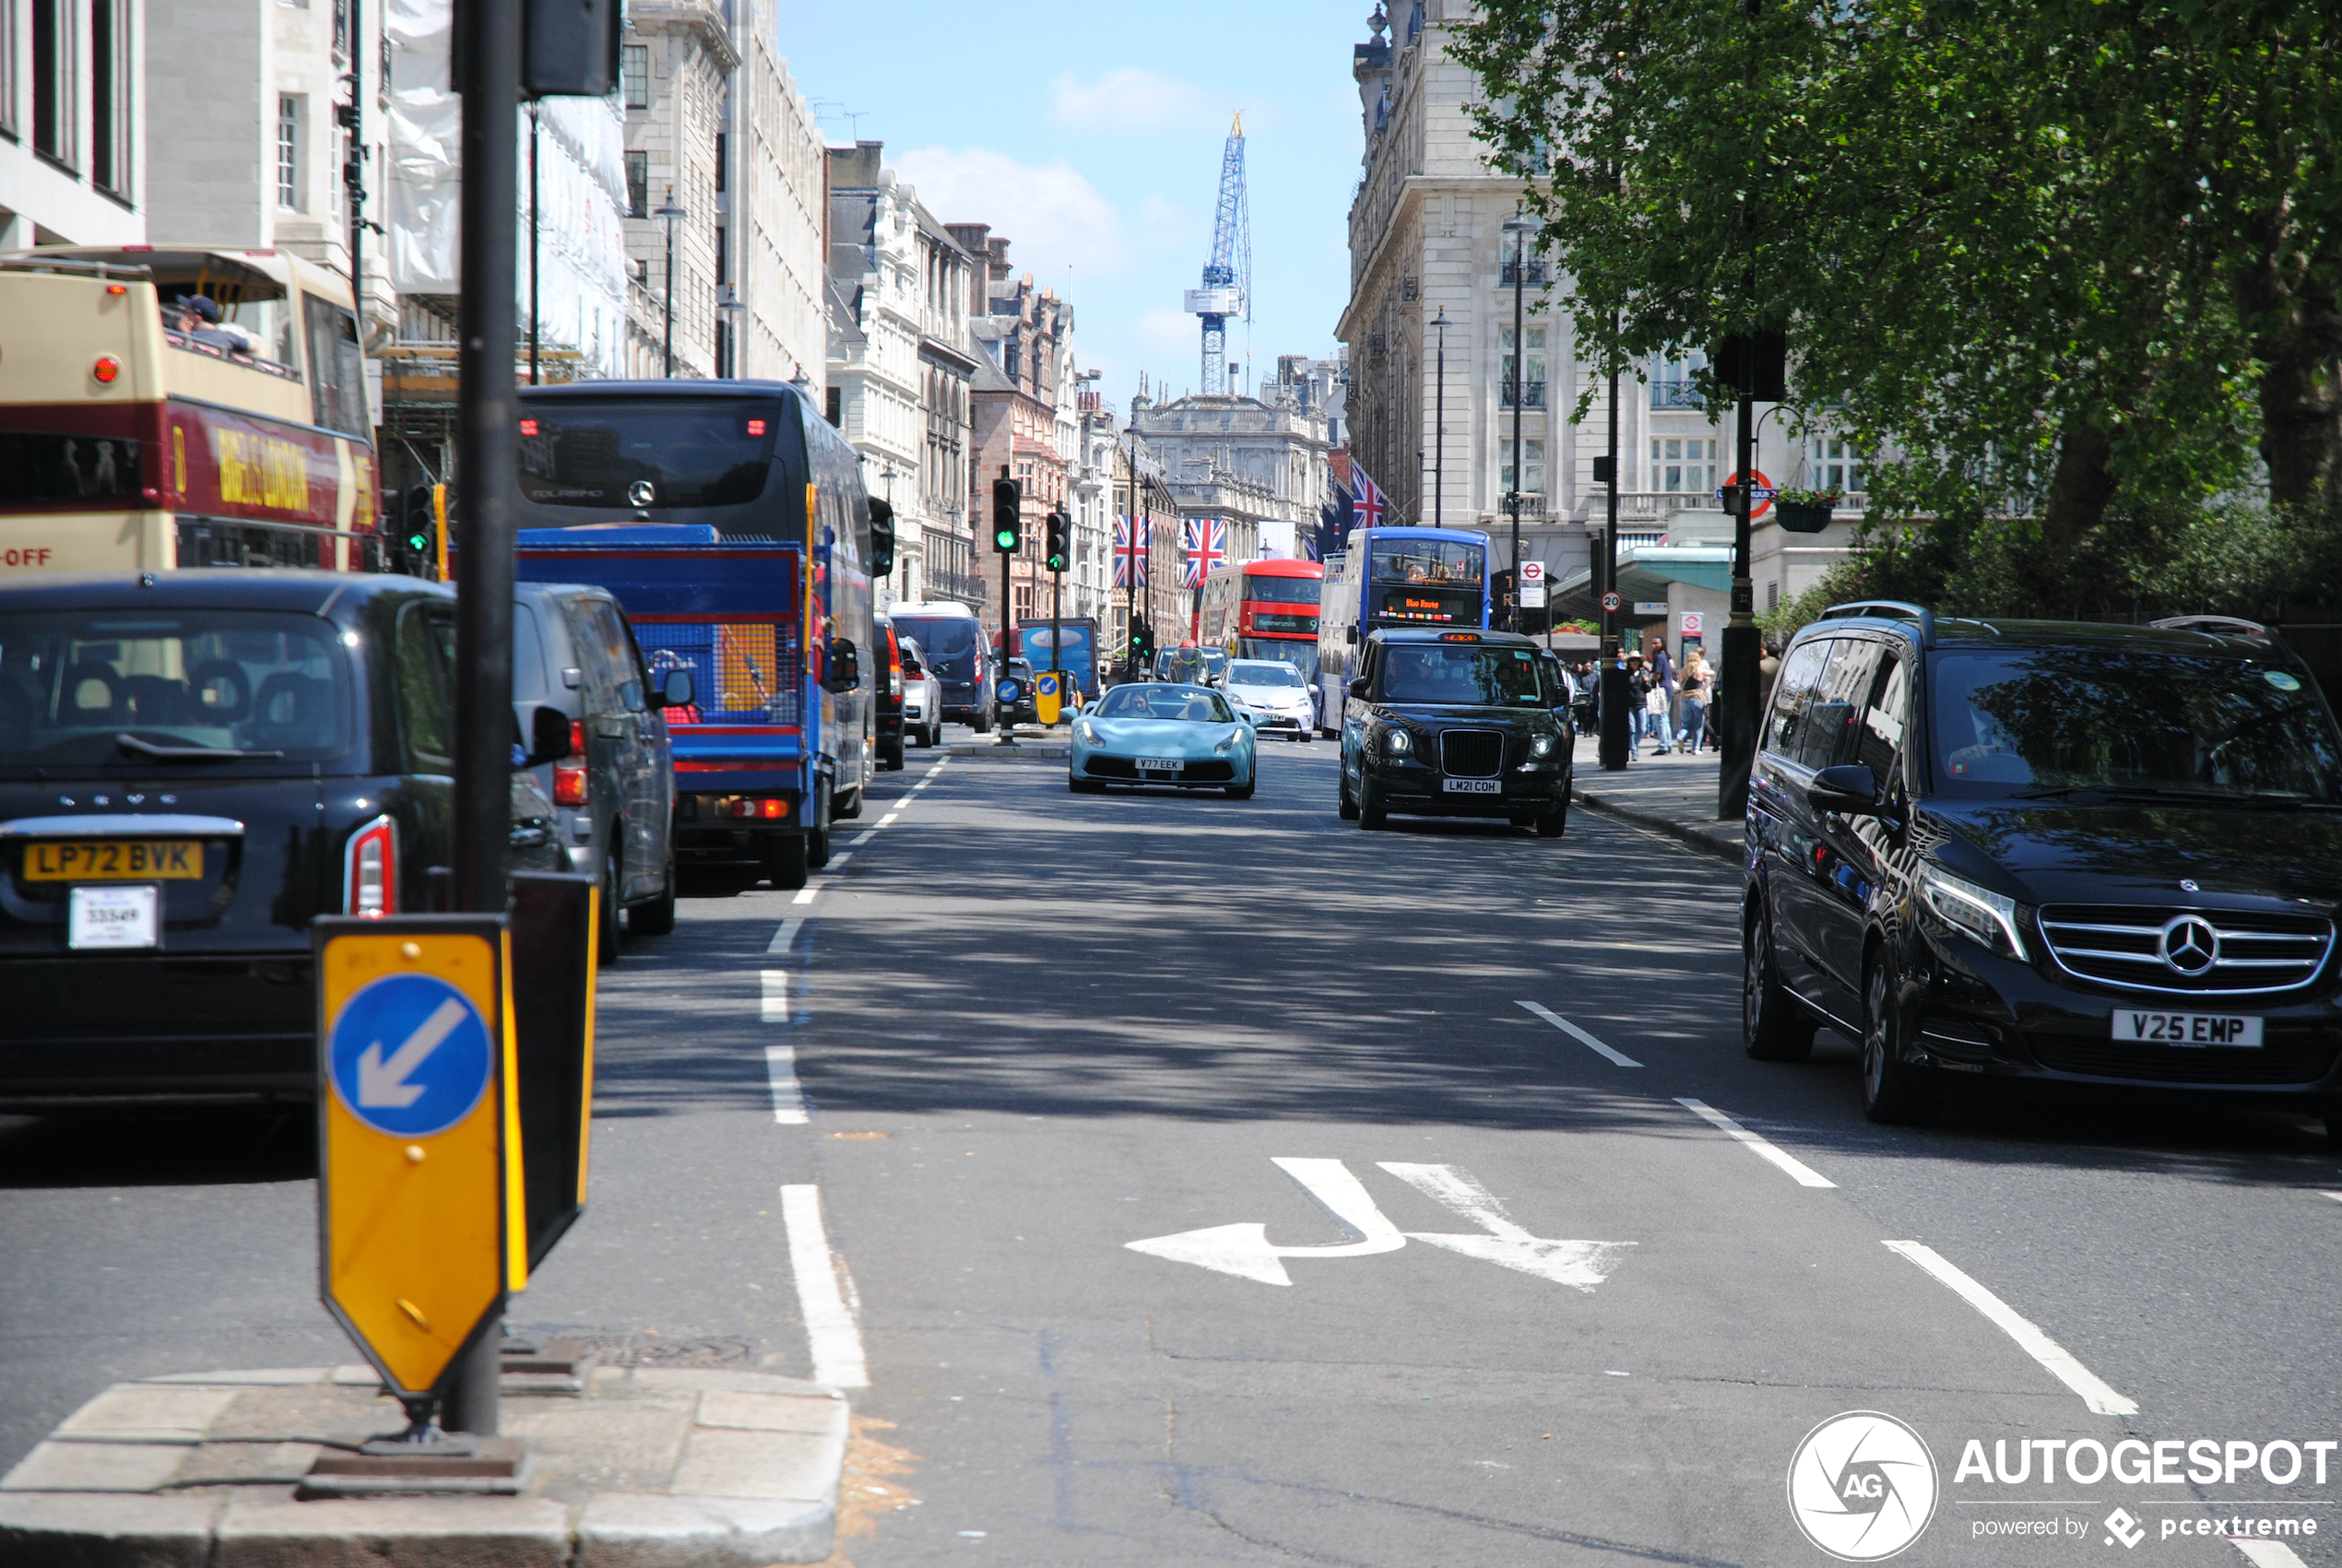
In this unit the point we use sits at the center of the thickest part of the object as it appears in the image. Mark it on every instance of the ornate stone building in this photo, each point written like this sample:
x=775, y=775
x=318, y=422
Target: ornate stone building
x=1260, y=465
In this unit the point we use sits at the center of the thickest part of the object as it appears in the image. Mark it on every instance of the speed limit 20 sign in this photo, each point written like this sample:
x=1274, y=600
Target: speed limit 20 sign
x=1612, y=602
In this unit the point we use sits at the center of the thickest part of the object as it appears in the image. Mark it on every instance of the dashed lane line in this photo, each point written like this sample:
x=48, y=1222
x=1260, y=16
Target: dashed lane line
x=2267, y=1553
x=837, y=863
x=784, y=938
x=2101, y=1398
x=1596, y=1046
x=1804, y=1175
x=829, y=1322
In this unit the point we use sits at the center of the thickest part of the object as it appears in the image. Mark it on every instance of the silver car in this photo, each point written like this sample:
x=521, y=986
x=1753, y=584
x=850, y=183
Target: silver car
x=922, y=697
x=1280, y=700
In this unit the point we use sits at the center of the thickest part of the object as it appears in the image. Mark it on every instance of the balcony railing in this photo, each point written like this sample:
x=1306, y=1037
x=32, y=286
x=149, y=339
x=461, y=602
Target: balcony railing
x=1532, y=395
x=1536, y=279
x=1675, y=394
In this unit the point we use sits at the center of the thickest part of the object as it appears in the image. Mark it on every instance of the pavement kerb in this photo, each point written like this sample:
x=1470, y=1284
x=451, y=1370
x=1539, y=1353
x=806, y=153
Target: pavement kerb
x=1697, y=838
x=649, y=1467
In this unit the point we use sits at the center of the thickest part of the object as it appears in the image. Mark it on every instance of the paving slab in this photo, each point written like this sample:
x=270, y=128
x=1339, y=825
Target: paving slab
x=647, y=1468
x=1673, y=793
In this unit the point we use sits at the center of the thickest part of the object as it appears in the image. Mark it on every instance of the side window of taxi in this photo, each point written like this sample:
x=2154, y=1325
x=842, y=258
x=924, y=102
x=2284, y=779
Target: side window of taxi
x=1879, y=745
x=1827, y=737
x=1784, y=730
x=424, y=653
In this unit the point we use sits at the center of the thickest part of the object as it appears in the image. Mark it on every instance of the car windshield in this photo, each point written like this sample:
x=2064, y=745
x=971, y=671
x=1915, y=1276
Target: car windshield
x=2020, y=721
x=111, y=692
x=1262, y=672
x=913, y=664
x=654, y=452
x=1151, y=700
x=1461, y=675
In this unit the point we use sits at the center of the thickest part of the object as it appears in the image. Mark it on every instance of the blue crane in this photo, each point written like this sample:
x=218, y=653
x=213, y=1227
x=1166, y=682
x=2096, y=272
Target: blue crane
x=1227, y=276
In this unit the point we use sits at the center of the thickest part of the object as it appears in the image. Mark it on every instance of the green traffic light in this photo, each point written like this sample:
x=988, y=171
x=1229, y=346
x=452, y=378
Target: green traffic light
x=1004, y=538
x=419, y=543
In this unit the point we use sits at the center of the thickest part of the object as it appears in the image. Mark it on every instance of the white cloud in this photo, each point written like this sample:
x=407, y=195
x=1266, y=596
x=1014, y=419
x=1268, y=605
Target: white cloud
x=1134, y=99
x=1050, y=214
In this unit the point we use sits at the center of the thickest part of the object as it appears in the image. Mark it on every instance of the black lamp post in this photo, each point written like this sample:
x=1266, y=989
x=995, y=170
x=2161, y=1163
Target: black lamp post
x=669, y=215
x=1520, y=226
x=1439, y=426
x=729, y=309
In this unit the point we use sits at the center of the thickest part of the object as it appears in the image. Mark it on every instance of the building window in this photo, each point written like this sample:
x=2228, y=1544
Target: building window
x=52, y=79
x=634, y=73
x=1682, y=467
x=638, y=185
x=723, y=255
x=1836, y=467
x=719, y=164
x=1023, y=603
x=110, y=142
x=1671, y=380
x=837, y=406
x=1535, y=478
x=1772, y=596
x=7, y=70
x=289, y=151
x=1532, y=370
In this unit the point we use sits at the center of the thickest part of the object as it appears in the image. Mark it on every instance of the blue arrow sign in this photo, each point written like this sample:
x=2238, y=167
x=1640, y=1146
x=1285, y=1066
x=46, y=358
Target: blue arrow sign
x=1046, y=685
x=410, y=1056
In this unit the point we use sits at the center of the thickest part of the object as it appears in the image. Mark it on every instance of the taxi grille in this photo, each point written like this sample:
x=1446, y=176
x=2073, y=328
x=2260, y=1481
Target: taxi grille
x=1472, y=753
x=2121, y=946
x=2286, y=1059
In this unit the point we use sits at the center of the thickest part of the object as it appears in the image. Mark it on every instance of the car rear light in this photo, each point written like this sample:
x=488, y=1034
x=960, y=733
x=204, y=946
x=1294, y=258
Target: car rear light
x=569, y=785
x=370, y=870
x=106, y=369
x=772, y=809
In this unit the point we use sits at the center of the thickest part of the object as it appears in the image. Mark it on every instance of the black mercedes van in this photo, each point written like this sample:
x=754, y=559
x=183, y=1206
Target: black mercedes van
x=2000, y=851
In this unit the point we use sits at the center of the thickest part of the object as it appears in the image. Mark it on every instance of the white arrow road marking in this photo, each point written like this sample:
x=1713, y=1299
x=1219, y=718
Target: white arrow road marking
x=1245, y=1251
x=1581, y=1264
x=382, y=1085
x=2099, y=1397
x=1579, y=1035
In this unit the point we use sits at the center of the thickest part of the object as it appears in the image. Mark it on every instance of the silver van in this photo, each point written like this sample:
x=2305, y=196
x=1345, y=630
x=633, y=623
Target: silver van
x=614, y=794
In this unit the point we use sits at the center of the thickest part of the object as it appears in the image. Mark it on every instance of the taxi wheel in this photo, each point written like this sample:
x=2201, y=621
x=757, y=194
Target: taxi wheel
x=1371, y=817
x=1893, y=1090
x=1771, y=1028
x=1554, y=823
x=1348, y=809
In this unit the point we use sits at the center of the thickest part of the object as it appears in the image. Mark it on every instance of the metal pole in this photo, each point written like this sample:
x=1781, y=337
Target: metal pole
x=1738, y=737
x=487, y=411
x=1131, y=578
x=670, y=289
x=535, y=315
x=1612, y=747
x=1519, y=457
x=1440, y=423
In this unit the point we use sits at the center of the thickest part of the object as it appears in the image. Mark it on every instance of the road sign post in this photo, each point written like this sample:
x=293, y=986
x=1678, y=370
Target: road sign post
x=419, y=1167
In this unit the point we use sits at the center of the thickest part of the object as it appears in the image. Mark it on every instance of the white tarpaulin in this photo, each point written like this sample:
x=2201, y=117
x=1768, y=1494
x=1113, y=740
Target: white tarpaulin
x=581, y=188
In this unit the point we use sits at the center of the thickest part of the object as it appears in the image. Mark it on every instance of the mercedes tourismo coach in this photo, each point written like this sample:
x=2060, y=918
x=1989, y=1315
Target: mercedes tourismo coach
x=1429, y=577
x=128, y=443
x=1265, y=609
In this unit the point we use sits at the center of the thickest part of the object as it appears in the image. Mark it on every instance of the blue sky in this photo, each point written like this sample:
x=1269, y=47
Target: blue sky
x=1089, y=136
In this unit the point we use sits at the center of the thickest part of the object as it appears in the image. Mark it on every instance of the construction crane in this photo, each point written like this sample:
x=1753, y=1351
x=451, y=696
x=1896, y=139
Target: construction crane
x=1227, y=276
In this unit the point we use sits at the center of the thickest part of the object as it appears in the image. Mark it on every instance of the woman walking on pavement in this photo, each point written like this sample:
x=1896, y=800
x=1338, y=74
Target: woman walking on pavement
x=1693, y=695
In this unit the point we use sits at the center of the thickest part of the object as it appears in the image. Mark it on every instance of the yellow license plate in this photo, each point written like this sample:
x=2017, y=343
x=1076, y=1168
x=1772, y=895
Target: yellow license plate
x=115, y=860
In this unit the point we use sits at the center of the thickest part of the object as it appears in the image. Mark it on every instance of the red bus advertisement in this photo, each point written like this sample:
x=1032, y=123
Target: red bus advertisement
x=1265, y=609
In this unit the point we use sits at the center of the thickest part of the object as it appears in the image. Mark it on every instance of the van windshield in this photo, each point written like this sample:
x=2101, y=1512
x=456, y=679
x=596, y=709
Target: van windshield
x=949, y=643
x=2020, y=722
x=99, y=692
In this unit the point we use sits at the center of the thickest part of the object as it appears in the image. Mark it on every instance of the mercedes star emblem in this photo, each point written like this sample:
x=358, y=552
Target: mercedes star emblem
x=640, y=492
x=2187, y=885
x=2189, y=946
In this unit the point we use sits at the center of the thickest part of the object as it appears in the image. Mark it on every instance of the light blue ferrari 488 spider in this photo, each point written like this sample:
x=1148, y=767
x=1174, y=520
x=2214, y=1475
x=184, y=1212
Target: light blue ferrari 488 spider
x=1161, y=733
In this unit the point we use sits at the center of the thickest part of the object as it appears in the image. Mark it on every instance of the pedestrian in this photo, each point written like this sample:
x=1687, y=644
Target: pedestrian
x=1662, y=676
x=1692, y=701
x=1638, y=704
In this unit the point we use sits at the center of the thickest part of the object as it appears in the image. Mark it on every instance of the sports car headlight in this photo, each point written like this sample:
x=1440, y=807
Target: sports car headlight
x=1984, y=917
x=1398, y=742
x=1541, y=746
x=1088, y=733
x=1228, y=744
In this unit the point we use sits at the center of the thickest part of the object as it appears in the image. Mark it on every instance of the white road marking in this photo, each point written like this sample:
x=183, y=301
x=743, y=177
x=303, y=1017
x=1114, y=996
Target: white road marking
x=784, y=937
x=775, y=995
x=788, y=1101
x=2337, y=1197
x=1581, y=1264
x=866, y=835
x=888, y=818
x=1579, y=1035
x=2267, y=1553
x=2096, y=1395
x=805, y=894
x=1802, y=1174
x=1245, y=1250
x=835, y=1338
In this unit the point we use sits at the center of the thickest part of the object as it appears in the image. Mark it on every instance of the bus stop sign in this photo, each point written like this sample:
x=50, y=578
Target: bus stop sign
x=414, y=1152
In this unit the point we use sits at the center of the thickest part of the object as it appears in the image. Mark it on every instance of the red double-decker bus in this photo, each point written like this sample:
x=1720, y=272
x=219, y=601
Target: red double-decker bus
x=1265, y=609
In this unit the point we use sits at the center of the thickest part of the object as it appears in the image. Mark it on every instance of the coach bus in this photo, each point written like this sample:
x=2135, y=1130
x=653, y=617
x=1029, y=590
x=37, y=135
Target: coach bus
x=141, y=432
x=1265, y=609
x=1395, y=577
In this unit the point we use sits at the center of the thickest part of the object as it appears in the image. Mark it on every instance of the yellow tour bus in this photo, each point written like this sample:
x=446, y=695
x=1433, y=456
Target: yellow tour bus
x=179, y=407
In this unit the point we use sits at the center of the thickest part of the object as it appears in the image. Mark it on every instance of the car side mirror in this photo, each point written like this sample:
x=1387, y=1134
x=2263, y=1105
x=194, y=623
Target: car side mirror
x=1358, y=689
x=678, y=689
x=845, y=666
x=1851, y=789
x=549, y=735
x=1350, y=635
x=881, y=537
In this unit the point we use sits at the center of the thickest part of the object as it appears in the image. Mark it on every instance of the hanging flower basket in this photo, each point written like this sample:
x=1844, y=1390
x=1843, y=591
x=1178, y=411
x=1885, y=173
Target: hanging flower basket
x=1804, y=511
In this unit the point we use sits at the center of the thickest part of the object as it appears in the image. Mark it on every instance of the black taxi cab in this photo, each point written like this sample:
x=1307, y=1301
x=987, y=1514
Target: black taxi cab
x=1456, y=724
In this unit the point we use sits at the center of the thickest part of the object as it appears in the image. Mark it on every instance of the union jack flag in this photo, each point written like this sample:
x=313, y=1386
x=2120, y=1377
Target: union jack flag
x=1129, y=558
x=1365, y=503
x=1207, y=548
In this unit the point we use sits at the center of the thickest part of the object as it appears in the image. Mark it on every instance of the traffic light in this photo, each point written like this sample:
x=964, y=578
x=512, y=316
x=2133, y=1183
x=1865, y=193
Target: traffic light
x=1008, y=516
x=1141, y=644
x=570, y=48
x=1059, y=526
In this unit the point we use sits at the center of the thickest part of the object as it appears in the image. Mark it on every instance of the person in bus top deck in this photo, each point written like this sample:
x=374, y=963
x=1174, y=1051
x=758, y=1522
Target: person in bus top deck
x=197, y=316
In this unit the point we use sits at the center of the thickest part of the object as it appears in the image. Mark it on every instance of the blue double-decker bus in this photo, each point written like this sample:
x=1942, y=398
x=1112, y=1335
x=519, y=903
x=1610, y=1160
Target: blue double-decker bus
x=1395, y=577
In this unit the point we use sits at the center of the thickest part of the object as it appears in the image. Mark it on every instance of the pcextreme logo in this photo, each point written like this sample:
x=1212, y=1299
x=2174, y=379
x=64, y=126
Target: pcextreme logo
x=1862, y=1486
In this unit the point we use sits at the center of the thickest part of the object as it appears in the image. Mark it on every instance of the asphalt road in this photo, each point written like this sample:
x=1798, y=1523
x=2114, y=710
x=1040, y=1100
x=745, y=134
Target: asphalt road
x=1025, y=1028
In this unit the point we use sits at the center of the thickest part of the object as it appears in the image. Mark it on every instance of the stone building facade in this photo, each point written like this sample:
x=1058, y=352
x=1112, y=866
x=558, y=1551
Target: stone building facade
x=73, y=140
x=770, y=247
x=1260, y=465
x=1023, y=418
x=677, y=62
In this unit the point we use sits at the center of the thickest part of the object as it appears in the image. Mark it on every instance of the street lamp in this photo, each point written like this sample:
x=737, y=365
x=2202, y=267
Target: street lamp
x=1439, y=425
x=1520, y=226
x=668, y=215
x=729, y=309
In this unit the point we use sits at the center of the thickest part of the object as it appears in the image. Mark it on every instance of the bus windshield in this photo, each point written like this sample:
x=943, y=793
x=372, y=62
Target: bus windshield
x=1266, y=590
x=1493, y=678
x=1435, y=582
x=646, y=453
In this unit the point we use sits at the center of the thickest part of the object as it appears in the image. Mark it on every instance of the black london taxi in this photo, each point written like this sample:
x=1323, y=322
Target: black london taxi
x=193, y=766
x=2007, y=851
x=1456, y=724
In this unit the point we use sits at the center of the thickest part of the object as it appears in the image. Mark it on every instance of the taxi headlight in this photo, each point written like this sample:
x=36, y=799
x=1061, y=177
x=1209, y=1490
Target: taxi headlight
x=1985, y=917
x=1541, y=746
x=1398, y=742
